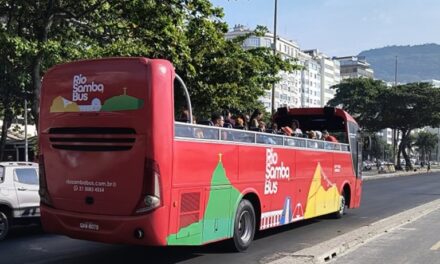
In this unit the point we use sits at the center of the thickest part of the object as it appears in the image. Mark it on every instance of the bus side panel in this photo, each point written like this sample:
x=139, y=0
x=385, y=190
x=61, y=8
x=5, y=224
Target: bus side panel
x=344, y=172
x=204, y=195
x=356, y=201
x=322, y=195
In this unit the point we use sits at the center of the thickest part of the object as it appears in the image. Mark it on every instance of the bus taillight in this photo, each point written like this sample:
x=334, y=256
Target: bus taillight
x=151, y=193
x=44, y=194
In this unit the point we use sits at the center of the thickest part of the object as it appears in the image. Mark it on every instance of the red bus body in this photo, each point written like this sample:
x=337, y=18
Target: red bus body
x=108, y=140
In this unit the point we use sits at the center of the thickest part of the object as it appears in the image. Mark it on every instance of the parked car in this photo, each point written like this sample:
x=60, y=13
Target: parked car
x=19, y=199
x=367, y=165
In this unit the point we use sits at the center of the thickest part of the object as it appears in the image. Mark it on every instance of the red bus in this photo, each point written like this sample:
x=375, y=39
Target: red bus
x=116, y=167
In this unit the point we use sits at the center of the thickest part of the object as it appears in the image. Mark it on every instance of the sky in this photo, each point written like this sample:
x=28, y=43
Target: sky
x=341, y=27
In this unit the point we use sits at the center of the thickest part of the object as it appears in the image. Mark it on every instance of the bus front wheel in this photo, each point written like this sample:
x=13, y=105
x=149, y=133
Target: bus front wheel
x=244, y=226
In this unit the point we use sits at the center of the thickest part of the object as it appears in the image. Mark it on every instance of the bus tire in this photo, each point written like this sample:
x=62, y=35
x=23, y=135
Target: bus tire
x=4, y=225
x=342, y=208
x=244, y=226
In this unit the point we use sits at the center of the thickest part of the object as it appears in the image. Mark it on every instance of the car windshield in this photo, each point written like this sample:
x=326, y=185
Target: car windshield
x=27, y=176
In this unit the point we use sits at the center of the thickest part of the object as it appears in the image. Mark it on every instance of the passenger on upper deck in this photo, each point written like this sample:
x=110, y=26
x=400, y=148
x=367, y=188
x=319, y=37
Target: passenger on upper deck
x=328, y=137
x=255, y=118
x=239, y=123
x=261, y=126
x=311, y=134
x=229, y=123
x=287, y=131
x=217, y=120
x=275, y=129
x=295, y=128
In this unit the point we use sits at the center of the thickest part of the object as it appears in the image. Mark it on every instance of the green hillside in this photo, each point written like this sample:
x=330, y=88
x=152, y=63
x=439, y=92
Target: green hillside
x=414, y=63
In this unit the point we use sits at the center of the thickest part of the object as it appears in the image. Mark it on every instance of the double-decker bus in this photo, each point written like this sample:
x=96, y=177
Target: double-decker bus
x=116, y=167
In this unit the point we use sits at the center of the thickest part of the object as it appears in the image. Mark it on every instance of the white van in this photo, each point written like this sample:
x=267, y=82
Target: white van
x=19, y=199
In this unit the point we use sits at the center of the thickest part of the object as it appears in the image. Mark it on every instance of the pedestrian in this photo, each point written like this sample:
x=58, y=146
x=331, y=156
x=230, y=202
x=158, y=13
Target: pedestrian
x=428, y=166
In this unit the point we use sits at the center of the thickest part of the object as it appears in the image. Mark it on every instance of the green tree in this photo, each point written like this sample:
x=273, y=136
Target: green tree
x=379, y=149
x=358, y=96
x=426, y=142
x=407, y=107
x=189, y=33
x=404, y=107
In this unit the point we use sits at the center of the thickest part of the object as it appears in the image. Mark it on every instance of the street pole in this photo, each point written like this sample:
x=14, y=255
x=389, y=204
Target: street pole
x=395, y=133
x=274, y=51
x=25, y=132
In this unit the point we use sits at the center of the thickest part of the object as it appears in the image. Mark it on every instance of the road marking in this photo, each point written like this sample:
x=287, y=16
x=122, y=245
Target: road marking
x=436, y=246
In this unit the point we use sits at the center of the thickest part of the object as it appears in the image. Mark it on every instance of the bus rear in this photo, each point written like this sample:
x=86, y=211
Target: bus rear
x=104, y=153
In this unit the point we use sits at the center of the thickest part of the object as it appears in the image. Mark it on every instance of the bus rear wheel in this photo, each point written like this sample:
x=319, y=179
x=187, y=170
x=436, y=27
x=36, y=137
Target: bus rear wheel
x=244, y=226
x=342, y=208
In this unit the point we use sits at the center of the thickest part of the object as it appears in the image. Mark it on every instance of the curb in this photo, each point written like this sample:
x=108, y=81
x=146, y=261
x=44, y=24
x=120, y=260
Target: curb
x=397, y=174
x=340, y=245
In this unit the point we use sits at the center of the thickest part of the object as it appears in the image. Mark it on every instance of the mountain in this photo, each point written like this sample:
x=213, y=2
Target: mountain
x=414, y=63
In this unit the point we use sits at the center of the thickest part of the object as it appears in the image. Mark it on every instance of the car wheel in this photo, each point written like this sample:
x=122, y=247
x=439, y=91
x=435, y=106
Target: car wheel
x=4, y=225
x=244, y=226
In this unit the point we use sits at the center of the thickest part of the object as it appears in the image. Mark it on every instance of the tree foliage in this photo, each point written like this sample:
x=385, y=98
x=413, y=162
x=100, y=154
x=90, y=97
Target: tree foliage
x=35, y=35
x=403, y=107
x=426, y=142
x=359, y=97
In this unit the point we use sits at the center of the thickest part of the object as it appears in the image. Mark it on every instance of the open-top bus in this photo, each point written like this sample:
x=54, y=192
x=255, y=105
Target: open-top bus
x=116, y=167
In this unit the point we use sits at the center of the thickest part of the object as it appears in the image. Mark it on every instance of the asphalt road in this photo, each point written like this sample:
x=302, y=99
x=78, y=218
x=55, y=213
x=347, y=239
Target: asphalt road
x=381, y=198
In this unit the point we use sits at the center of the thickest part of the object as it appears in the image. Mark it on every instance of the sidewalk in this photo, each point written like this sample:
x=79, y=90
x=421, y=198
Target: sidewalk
x=416, y=242
x=347, y=244
x=373, y=174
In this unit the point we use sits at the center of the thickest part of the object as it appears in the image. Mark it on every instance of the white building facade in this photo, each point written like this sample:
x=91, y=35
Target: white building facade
x=309, y=87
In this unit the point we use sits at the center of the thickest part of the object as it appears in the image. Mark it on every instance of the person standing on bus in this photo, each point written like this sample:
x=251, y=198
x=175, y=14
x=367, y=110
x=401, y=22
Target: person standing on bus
x=327, y=137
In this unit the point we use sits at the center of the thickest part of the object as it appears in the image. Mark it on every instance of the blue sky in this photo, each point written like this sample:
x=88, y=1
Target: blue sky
x=341, y=27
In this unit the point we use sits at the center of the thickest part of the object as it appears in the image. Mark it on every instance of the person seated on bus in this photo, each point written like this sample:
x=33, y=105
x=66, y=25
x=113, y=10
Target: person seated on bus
x=256, y=117
x=198, y=133
x=297, y=132
x=229, y=122
x=312, y=135
x=217, y=120
x=239, y=123
x=261, y=126
x=318, y=134
x=287, y=131
x=327, y=137
x=274, y=129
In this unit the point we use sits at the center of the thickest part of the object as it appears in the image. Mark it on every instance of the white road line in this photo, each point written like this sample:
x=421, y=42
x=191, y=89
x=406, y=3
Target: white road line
x=436, y=246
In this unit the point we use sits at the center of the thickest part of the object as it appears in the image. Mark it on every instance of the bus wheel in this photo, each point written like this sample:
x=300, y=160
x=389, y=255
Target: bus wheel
x=342, y=208
x=244, y=226
x=4, y=225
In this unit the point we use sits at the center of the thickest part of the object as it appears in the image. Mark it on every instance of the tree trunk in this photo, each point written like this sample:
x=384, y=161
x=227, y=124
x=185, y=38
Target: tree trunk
x=36, y=86
x=7, y=120
x=403, y=145
x=399, y=165
x=408, y=165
